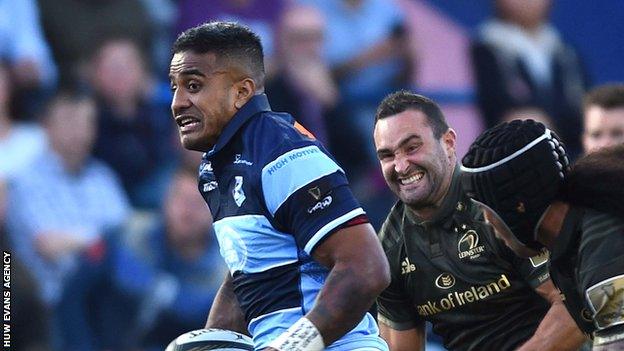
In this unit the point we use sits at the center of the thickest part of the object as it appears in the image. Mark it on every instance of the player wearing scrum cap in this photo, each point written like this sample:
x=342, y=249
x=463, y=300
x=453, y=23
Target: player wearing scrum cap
x=520, y=173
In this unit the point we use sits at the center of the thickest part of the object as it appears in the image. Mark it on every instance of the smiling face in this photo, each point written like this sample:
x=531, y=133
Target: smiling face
x=205, y=98
x=416, y=165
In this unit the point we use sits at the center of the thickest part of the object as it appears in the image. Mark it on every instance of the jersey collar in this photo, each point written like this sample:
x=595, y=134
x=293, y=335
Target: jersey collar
x=258, y=103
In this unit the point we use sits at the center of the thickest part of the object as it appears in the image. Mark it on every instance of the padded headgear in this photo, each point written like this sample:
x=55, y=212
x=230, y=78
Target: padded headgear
x=516, y=169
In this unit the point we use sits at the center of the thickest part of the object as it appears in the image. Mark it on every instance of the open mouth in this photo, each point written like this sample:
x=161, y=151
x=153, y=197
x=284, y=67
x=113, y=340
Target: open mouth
x=187, y=123
x=412, y=179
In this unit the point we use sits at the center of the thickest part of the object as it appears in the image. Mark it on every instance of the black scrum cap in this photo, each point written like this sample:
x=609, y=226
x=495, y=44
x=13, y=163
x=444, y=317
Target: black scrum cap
x=516, y=169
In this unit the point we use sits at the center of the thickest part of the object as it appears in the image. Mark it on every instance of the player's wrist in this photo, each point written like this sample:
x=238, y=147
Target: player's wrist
x=301, y=336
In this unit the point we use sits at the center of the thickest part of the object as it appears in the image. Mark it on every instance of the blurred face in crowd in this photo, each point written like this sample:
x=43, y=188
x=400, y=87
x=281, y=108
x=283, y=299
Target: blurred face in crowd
x=603, y=127
x=526, y=13
x=206, y=95
x=417, y=166
x=71, y=128
x=302, y=33
x=119, y=71
x=186, y=214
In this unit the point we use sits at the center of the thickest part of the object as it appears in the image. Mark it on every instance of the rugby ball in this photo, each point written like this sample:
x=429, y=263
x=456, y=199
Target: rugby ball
x=211, y=339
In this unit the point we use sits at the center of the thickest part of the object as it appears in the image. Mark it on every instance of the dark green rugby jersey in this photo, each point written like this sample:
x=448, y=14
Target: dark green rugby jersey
x=453, y=272
x=589, y=270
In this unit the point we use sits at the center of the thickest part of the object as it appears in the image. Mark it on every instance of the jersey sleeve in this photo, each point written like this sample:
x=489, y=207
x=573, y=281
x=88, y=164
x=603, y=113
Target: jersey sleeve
x=601, y=268
x=395, y=309
x=534, y=270
x=307, y=194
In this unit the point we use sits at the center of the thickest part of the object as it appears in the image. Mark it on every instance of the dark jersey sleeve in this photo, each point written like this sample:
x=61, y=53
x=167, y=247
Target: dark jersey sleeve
x=394, y=305
x=533, y=270
x=601, y=268
x=395, y=308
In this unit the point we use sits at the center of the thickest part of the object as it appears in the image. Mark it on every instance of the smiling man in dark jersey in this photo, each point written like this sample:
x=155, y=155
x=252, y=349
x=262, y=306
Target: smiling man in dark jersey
x=446, y=264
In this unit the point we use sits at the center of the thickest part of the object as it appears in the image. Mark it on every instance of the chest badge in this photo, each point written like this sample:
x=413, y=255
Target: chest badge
x=237, y=193
x=468, y=245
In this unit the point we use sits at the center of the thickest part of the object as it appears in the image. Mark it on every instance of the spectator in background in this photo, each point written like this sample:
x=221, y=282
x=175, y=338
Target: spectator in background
x=75, y=29
x=303, y=85
x=366, y=46
x=164, y=273
x=64, y=202
x=27, y=54
x=519, y=59
x=603, y=117
x=366, y=49
x=259, y=15
x=20, y=143
x=29, y=317
x=135, y=135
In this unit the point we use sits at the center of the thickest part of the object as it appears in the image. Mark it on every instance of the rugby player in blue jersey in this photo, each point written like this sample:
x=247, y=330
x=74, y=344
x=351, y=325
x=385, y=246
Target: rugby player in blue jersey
x=305, y=264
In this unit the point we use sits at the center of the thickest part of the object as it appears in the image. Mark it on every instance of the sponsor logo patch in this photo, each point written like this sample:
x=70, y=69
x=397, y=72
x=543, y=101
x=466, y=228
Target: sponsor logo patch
x=445, y=281
x=407, y=267
x=239, y=160
x=540, y=258
x=321, y=205
x=207, y=167
x=315, y=192
x=210, y=186
x=459, y=298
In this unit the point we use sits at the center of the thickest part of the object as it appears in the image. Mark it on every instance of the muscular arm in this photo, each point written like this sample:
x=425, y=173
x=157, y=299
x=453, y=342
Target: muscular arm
x=557, y=331
x=225, y=312
x=404, y=340
x=359, y=272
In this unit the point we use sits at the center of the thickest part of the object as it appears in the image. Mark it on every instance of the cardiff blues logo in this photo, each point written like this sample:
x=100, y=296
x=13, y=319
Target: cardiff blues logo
x=237, y=192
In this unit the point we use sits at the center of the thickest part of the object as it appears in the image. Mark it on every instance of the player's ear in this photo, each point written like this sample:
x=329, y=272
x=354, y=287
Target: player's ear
x=245, y=89
x=449, y=140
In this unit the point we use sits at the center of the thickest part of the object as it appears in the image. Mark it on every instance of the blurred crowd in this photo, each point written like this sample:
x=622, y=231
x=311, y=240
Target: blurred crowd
x=112, y=243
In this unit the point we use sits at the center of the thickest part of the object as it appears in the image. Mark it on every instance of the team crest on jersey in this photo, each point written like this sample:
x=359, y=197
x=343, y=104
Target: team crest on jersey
x=445, y=281
x=237, y=192
x=468, y=245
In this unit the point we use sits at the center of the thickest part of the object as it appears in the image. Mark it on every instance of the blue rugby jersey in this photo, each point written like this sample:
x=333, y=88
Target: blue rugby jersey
x=275, y=194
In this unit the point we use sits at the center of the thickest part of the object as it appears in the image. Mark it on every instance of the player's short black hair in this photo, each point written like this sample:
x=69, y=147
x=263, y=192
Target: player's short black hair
x=229, y=41
x=607, y=96
x=595, y=181
x=404, y=100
